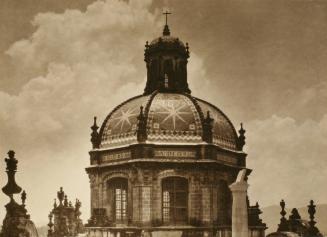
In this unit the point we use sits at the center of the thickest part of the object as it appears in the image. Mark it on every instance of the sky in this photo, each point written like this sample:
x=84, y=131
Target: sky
x=261, y=61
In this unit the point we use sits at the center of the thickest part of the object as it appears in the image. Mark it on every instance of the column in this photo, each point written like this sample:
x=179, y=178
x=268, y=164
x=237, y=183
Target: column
x=239, y=209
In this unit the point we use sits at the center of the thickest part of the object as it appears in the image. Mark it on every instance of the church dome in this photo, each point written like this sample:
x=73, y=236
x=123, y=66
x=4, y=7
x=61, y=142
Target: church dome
x=171, y=118
x=166, y=113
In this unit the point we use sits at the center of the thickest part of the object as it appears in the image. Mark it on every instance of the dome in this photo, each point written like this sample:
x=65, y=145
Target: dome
x=166, y=113
x=166, y=40
x=171, y=118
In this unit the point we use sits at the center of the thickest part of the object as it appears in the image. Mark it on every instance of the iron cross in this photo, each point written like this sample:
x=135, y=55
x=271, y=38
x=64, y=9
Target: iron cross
x=166, y=13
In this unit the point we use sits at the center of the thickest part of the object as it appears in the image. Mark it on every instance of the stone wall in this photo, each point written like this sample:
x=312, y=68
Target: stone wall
x=209, y=201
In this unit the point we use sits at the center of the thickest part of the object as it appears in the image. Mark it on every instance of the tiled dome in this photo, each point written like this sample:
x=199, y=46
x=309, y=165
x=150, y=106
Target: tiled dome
x=171, y=118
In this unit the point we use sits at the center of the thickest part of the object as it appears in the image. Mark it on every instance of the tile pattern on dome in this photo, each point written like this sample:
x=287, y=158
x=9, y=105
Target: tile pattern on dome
x=121, y=127
x=223, y=130
x=173, y=118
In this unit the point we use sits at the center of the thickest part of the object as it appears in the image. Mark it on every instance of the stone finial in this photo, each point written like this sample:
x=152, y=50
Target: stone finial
x=66, y=201
x=61, y=196
x=313, y=230
x=23, y=197
x=283, y=226
x=187, y=48
x=141, y=126
x=241, y=138
x=50, y=224
x=207, y=128
x=11, y=187
x=65, y=216
x=14, y=223
x=312, y=212
x=95, y=135
x=55, y=204
x=78, y=205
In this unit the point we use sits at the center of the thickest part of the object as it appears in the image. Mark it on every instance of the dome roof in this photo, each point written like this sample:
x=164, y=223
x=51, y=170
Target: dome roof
x=171, y=118
x=167, y=39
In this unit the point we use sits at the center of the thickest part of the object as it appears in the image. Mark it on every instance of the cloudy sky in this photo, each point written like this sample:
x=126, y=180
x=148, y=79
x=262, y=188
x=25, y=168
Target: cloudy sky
x=263, y=62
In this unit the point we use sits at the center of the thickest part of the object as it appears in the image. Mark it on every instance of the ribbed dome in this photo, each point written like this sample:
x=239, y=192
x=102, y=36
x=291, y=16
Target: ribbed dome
x=171, y=118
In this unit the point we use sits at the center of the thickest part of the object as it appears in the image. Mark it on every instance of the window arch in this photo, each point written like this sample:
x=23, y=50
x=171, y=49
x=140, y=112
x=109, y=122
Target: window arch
x=174, y=200
x=118, y=191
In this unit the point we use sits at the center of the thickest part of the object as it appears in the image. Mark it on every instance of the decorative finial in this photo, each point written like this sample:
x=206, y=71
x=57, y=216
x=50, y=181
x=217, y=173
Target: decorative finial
x=23, y=197
x=282, y=205
x=66, y=201
x=187, y=48
x=207, y=128
x=11, y=186
x=241, y=138
x=95, y=134
x=166, y=31
x=60, y=195
x=55, y=203
x=141, y=127
x=78, y=205
x=283, y=226
x=50, y=224
x=313, y=231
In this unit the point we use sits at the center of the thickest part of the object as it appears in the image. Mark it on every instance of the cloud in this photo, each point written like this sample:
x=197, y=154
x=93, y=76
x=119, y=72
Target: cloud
x=288, y=159
x=83, y=64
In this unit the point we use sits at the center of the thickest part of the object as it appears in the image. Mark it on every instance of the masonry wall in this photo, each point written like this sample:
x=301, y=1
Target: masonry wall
x=209, y=201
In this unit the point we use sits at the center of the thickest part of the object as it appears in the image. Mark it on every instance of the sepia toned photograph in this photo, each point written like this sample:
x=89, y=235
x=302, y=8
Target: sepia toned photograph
x=163, y=118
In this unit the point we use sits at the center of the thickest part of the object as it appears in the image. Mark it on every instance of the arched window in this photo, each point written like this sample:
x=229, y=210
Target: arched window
x=118, y=199
x=174, y=200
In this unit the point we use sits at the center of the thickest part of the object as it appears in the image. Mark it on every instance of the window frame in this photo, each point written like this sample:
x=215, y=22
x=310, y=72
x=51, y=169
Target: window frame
x=171, y=206
x=120, y=196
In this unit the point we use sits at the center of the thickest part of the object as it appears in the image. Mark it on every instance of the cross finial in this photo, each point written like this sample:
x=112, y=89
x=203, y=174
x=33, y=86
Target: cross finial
x=166, y=13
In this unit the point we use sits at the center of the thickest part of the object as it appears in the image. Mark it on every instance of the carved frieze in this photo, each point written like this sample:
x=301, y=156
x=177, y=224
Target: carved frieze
x=170, y=153
x=116, y=156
